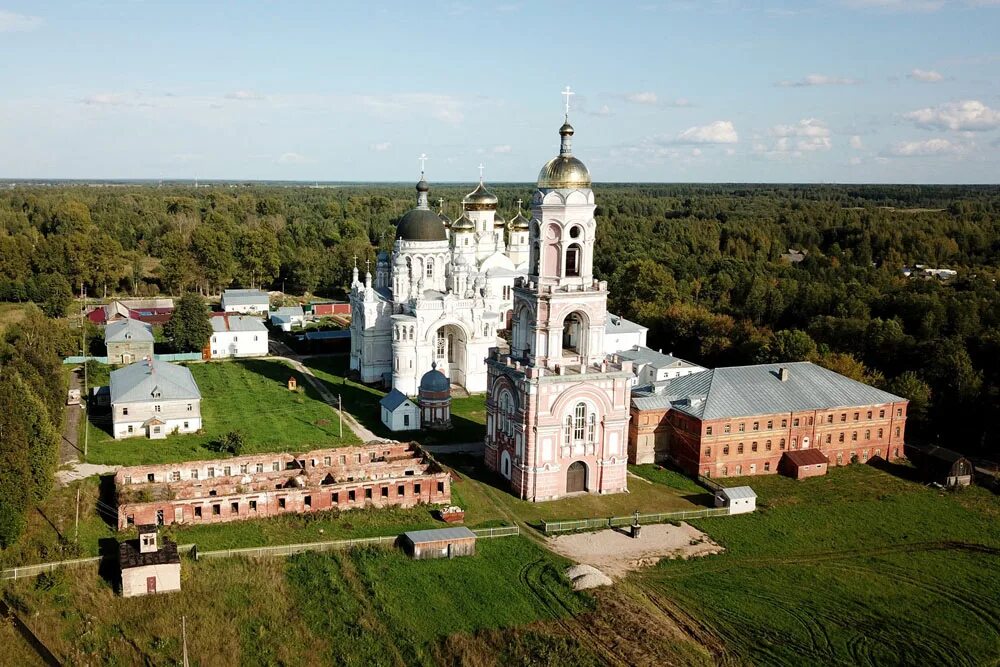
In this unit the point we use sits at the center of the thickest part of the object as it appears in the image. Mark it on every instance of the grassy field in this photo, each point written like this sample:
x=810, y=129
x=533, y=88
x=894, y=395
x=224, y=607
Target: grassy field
x=248, y=395
x=858, y=567
x=362, y=607
x=468, y=414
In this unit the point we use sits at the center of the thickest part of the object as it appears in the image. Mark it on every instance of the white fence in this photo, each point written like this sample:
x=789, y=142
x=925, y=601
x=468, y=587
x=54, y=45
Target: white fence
x=549, y=527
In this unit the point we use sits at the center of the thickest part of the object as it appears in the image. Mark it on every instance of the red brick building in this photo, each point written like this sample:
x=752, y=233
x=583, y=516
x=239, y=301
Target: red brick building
x=375, y=475
x=802, y=463
x=735, y=421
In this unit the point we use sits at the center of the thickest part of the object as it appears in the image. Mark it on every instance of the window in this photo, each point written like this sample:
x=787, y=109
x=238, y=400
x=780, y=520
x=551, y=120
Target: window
x=416, y=488
x=197, y=512
x=573, y=260
x=211, y=471
x=260, y=467
x=124, y=411
x=868, y=435
x=216, y=510
x=739, y=448
x=253, y=505
x=335, y=498
x=186, y=425
x=770, y=424
x=869, y=414
x=843, y=416
x=829, y=419
x=368, y=493
x=767, y=466
x=725, y=470
x=899, y=412
x=781, y=444
x=343, y=460
x=579, y=418
x=150, y=477
x=128, y=479
x=351, y=495
x=440, y=487
x=854, y=436
x=194, y=474
x=156, y=408
x=810, y=422
x=756, y=426
x=591, y=427
x=880, y=434
x=130, y=428
x=189, y=407
x=795, y=422
x=175, y=476
x=840, y=438
x=856, y=416
x=308, y=501
x=708, y=451
x=795, y=442
x=400, y=490
x=881, y=414
x=406, y=420
x=753, y=446
x=385, y=492
x=234, y=508
x=725, y=450
x=767, y=445
x=227, y=471
x=784, y=423
x=430, y=269
x=281, y=503
x=743, y=427
x=829, y=437
x=244, y=468
x=708, y=430
x=897, y=431
x=276, y=466
x=327, y=460
x=726, y=428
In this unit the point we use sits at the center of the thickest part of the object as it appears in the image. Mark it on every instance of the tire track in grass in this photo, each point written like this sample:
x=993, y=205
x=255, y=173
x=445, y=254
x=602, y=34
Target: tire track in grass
x=371, y=609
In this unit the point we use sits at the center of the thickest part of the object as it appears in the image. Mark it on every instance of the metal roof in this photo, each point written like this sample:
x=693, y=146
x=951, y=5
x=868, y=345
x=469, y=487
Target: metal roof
x=744, y=391
x=327, y=335
x=128, y=329
x=645, y=355
x=245, y=297
x=439, y=535
x=806, y=457
x=288, y=311
x=393, y=400
x=223, y=323
x=616, y=324
x=737, y=492
x=138, y=382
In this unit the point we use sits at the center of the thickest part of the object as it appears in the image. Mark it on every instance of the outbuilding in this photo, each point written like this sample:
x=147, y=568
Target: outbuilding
x=148, y=567
x=802, y=463
x=739, y=499
x=941, y=465
x=246, y=301
x=399, y=413
x=439, y=543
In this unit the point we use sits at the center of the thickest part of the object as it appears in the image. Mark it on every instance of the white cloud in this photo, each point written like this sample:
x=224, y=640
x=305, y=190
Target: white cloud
x=502, y=149
x=11, y=22
x=293, y=158
x=807, y=136
x=649, y=98
x=819, y=80
x=445, y=108
x=645, y=97
x=244, y=95
x=695, y=152
x=855, y=161
x=963, y=116
x=381, y=147
x=719, y=132
x=931, y=147
x=925, y=75
x=107, y=99
x=856, y=143
x=605, y=110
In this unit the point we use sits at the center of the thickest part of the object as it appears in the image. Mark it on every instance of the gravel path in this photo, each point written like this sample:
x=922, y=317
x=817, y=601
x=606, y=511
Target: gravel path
x=615, y=553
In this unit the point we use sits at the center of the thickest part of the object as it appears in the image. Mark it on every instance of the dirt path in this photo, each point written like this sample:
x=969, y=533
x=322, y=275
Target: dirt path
x=69, y=451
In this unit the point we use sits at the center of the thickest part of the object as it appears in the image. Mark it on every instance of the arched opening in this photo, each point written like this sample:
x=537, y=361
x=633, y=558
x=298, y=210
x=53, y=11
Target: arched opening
x=521, y=333
x=574, y=334
x=505, y=464
x=450, y=352
x=574, y=255
x=576, y=477
x=551, y=259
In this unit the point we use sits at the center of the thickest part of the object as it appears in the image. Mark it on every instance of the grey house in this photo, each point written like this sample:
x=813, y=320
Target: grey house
x=153, y=399
x=128, y=340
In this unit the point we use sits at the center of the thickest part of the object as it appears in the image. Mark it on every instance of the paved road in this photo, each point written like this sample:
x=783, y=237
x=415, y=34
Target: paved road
x=285, y=353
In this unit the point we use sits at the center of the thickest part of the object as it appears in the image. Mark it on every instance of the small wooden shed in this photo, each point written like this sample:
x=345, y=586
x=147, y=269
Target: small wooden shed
x=439, y=543
x=941, y=465
x=802, y=463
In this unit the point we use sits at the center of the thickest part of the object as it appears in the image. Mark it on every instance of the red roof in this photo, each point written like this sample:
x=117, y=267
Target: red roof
x=806, y=457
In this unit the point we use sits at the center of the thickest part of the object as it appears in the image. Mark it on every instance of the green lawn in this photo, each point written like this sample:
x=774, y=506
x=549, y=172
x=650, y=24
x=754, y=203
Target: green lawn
x=468, y=414
x=859, y=566
x=249, y=395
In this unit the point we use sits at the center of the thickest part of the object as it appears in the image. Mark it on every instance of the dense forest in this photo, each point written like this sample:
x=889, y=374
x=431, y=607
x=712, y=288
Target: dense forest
x=701, y=265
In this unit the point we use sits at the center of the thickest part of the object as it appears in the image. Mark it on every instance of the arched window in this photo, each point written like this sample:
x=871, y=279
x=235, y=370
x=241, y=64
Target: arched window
x=430, y=267
x=591, y=427
x=442, y=345
x=568, y=431
x=579, y=419
x=880, y=434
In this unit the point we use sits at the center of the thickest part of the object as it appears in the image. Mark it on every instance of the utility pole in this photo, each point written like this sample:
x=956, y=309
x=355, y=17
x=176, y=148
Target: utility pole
x=340, y=415
x=83, y=350
x=76, y=530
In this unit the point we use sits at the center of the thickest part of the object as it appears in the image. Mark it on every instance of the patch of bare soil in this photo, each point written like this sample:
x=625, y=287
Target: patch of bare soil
x=615, y=553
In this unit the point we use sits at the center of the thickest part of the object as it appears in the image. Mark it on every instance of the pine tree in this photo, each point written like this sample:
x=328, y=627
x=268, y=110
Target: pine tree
x=190, y=326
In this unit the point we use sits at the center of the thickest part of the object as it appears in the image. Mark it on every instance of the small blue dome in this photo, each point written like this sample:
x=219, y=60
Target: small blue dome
x=434, y=380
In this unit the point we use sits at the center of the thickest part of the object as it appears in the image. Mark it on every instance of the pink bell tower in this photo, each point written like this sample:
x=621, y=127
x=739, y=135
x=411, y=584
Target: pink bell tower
x=557, y=409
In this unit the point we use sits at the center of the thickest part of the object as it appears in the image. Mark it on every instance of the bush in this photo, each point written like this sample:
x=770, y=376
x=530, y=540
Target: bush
x=233, y=443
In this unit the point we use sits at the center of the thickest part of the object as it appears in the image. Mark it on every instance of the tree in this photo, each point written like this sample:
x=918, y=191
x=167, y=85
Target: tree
x=257, y=251
x=190, y=326
x=910, y=386
x=55, y=294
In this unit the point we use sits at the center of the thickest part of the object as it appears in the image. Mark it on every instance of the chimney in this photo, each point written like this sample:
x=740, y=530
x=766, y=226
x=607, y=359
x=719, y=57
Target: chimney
x=783, y=374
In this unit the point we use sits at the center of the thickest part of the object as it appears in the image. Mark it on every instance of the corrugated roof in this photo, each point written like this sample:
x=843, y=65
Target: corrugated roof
x=645, y=355
x=737, y=492
x=128, y=329
x=245, y=297
x=439, y=534
x=744, y=391
x=616, y=324
x=136, y=382
x=393, y=400
x=223, y=323
x=288, y=311
x=806, y=457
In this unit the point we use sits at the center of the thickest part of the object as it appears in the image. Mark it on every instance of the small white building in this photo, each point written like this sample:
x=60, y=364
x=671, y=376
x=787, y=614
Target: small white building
x=652, y=366
x=246, y=301
x=148, y=567
x=621, y=334
x=739, y=499
x=398, y=412
x=237, y=336
x=288, y=317
x=153, y=399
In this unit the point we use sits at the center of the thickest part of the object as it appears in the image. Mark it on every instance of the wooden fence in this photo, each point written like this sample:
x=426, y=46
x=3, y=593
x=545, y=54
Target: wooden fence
x=549, y=527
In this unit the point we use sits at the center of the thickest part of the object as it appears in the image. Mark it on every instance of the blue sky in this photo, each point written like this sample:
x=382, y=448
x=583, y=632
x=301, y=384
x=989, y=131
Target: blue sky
x=737, y=90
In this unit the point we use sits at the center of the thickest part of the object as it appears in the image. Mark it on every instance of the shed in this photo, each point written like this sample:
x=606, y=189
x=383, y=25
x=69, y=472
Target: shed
x=148, y=567
x=802, y=463
x=739, y=499
x=399, y=413
x=439, y=543
x=941, y=465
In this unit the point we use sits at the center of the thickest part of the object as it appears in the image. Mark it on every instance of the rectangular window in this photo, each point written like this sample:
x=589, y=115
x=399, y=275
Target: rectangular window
x=840, y=438
x=739, y=448
x=843, y=416
x=335, y=499
x=726, y=428
x=753, y=447
x=708, y=430
x=897, y=431
x=725, y=450
x=156, y=408
x=130, y=428
x=385, y=492
x=227, y=471
x=770, y=424
x=216, y=510
x=234, y=508
x=368, y=493
x=260, y=467
x=400, y=490
x=854, y=436
x=756, y=426
x=828, y=437
x=869, y=414
x=343, y=460
x=189, y=407
x=767, y=466
x=281, y=503
x=795, y=422
x=416, y=487
x=784, y=423
x=743, y=427
x=899, y=412
x=881, y=414
x=150, y=477
x=829, y=419
x=211, y=471
x=128, y=479
x=276, y=466
x=175, y=476
x=253, y=505
x=708, y=451
x=440, y=487
x=856, y=416
x=186, y=425
x=308, y=501
x=351, y=496
x=406, y=420
x=124, y=411
x=327, y=460
x=194, y=474
x=244, y=468
x=197, y=512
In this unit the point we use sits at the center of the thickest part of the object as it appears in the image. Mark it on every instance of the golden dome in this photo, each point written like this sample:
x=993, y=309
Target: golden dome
x=480, y=199
x=463, y=224
x=498, y=221
x=564, y=172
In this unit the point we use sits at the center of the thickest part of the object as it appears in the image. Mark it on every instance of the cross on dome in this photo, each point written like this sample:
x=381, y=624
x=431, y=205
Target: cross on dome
x=567, y=93
x=355, y=261
x=519, y=202
x=368, y=265
x=481, y=168
x=423, y=162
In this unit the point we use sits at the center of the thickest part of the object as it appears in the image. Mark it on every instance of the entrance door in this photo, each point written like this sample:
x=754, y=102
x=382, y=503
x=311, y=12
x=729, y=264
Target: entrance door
x=150, y=584
x=576, y=477
x=805, y=443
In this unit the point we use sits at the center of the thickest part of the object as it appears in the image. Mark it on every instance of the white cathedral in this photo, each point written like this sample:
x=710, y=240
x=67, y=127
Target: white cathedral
x=440, y=298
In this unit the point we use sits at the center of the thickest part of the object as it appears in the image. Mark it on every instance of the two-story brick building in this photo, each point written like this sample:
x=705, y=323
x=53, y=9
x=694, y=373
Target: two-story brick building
x=128, y=340
x=740, y=420
x=153, y=399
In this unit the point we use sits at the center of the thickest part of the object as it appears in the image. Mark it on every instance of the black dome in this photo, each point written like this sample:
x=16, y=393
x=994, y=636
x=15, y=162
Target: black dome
x=434, y=380
x=420, y=224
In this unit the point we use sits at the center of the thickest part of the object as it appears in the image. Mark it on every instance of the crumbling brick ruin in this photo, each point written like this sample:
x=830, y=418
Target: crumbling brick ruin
x=390, y=474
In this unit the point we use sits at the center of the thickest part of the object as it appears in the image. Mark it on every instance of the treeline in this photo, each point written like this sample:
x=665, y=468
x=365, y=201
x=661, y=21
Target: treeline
x=32, y=396
x=700, y=264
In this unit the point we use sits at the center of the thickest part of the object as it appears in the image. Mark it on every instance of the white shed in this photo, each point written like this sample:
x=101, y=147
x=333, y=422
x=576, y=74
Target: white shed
x=398, y=412
x=739, y=499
